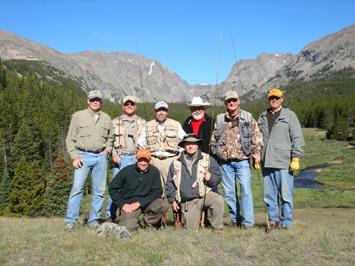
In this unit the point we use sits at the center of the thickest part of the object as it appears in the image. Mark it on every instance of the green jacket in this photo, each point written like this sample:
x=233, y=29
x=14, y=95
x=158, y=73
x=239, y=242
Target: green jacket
x=285, y=141
x=85, y=133
x=132, y=185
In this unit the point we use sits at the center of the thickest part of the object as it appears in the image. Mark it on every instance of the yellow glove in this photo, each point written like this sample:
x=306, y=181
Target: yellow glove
x=295, y=164
x=257, y=166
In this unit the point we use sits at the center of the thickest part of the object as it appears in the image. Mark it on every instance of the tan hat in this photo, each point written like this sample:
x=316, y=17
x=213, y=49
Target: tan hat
x=143, y=153
x=197, y=101
x=129, y=98
x=274, y=92
x=94, y=94
x=231, y=95
x=190, y=138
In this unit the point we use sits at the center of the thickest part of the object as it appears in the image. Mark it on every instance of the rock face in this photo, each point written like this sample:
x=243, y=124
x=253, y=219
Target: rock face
x=249, y=75
x=115, y=74
x=118, y=74
x=316, y=60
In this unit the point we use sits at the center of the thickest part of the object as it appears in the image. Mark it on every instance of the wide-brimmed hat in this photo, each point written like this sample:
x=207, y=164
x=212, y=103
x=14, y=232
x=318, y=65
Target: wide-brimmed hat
x=197, y=101
x=190, y=138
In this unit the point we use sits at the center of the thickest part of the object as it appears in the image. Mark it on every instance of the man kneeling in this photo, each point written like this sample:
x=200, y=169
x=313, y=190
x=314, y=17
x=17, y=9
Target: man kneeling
x=137, y=189
x=189, y=185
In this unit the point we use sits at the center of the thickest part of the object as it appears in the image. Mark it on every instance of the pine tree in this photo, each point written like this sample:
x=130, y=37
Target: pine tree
x=27, y=142
x=28, y=186
x=5, y=188
x=57, y=189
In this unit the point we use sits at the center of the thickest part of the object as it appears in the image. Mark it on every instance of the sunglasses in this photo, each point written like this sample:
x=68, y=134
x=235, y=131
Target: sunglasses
x=274, y=98
x=95, y=100
x=129, y=104
x=231, y=100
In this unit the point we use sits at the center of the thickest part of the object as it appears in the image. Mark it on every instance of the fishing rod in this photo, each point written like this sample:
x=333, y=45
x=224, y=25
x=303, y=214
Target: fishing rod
x=203, y=214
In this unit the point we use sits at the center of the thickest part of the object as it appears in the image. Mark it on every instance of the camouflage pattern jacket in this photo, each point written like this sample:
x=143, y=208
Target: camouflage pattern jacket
x=236, y=138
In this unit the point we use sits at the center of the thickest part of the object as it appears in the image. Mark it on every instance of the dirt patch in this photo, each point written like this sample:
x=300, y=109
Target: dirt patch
x=336, y=162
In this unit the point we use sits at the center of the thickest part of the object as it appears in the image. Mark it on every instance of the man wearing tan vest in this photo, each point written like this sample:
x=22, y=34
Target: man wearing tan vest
x=127, y=129
x=162, y=136
x=189, y=185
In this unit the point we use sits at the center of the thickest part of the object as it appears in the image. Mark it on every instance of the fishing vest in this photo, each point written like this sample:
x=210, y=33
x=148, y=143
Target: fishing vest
x=245, y=128
x=120, y=132
x=166, y=140
x=202, y=167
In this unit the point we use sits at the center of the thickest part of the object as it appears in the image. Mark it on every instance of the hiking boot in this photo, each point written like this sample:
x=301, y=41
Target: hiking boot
x=164, y=221
x=218, y=231
x=274, y=225
x=93, y=225
x=247, y=227
x=109, y=220
x=69, y=227
x=235, y=225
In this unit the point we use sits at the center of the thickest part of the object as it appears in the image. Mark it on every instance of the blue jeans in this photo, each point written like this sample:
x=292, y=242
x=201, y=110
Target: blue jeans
x=278, y=184
x=125, y=161
x=97, y=164
x=233, y=171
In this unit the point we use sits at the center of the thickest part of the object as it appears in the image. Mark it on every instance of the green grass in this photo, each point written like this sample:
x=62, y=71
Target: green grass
x=316, y=239
x=324, y=231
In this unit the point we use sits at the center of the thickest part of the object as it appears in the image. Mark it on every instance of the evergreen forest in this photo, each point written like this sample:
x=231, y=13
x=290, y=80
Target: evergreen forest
x=36, y=104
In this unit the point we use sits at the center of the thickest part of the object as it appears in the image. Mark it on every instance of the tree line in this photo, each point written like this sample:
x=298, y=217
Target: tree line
x=35, y=112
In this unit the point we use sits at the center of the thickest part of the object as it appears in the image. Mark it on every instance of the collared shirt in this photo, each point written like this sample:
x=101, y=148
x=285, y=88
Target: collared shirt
x=161, y=127
x=86, y=133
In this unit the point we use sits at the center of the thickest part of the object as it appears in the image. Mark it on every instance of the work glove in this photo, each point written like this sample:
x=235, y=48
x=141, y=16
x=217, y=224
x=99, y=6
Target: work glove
x=256, y=166
x=295, y=164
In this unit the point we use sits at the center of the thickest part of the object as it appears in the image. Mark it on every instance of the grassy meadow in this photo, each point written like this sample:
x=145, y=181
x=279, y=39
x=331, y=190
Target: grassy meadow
x=323, y=234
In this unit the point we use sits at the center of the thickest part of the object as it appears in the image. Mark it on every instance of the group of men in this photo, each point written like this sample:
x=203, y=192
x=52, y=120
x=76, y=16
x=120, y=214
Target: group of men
x=161, y=163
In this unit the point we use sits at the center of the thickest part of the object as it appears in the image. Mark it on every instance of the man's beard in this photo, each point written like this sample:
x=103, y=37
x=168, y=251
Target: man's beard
x=197, y=116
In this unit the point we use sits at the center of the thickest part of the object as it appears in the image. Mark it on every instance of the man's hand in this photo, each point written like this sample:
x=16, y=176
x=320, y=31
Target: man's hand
x=295, y=164
x=207, y=176
x=256, y=166
x=116, y=159
x=106, y=152
x=127, y=208
x=135, y=205
x=256, y=158
x=175, y=206
x=77, y=163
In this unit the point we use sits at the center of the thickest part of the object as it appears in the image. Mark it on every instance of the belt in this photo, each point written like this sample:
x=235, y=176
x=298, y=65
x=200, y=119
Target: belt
x=162, y=157
x=127, y=153
x=92, y=151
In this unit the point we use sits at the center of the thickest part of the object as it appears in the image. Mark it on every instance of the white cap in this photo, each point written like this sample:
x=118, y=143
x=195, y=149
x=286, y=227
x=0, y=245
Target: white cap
x=161, y=104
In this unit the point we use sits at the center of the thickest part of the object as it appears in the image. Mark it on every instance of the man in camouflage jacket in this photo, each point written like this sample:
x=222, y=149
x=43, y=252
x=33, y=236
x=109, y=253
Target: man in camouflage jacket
x=236, y=138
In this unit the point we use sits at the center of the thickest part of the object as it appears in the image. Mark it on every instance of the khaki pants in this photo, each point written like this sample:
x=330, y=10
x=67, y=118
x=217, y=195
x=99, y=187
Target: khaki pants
x=151, y=215
x=163, y=166
x=191, y=211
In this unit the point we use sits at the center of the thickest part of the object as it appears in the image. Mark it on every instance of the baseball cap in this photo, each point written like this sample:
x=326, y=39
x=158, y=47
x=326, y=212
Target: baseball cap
x=231, y=95
x=274, y=92
x=129, y=98
x=143, y=153
x=94, y=94
x=161, y=104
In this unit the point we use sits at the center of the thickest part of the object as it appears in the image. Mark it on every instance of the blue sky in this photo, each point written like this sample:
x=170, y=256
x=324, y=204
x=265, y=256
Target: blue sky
x=198, y=40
